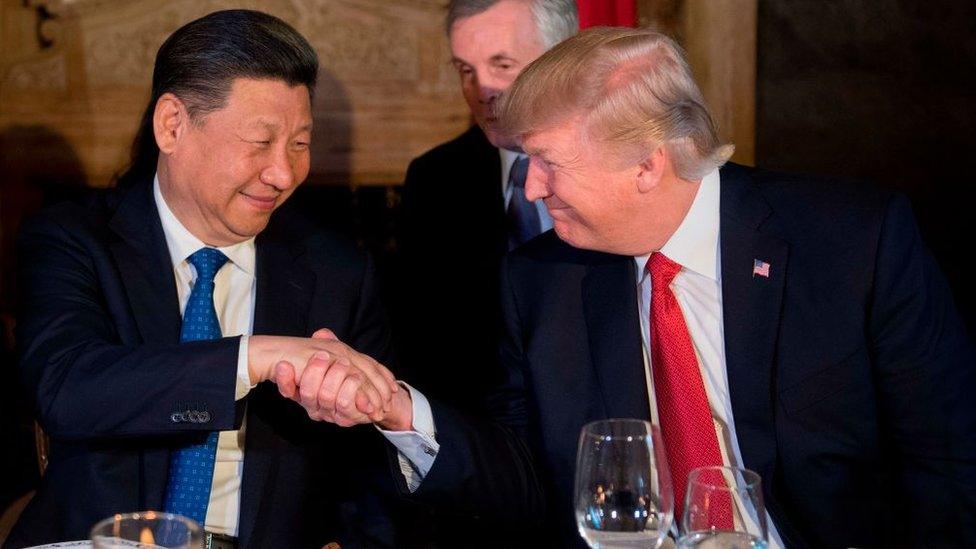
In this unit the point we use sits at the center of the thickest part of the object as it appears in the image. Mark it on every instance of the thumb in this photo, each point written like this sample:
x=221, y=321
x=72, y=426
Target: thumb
x=324, y=333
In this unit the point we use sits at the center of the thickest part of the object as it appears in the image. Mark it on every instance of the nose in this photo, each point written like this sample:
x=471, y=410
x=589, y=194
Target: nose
x=536, y=181
x=280, y=171
x=488, y=89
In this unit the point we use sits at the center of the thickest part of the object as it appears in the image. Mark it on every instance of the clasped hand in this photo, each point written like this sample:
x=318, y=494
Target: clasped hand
x=332, y=381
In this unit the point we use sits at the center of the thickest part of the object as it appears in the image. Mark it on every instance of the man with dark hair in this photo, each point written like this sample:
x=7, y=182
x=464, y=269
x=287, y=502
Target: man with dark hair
x=466, y=196
x=153, y=314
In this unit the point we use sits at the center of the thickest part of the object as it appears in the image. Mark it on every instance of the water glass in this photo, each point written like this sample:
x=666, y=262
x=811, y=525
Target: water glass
x=147, y=530
x=723, y=510
x=623, y=485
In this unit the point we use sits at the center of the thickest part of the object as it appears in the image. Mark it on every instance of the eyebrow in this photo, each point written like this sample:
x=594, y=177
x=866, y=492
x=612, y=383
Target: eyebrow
x=269, y=125
x=494, y=58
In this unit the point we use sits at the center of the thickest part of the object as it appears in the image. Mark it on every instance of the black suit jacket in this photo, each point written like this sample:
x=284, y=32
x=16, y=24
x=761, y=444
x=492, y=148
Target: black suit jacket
x=100, y=354
x=851, y=376
x=452, y=235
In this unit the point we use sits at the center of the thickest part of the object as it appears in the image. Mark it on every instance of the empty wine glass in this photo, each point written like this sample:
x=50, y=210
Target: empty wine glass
x=723, y=510
x=623, y=485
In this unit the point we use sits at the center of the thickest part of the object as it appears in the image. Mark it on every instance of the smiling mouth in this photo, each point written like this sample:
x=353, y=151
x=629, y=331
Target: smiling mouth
x=261, y=202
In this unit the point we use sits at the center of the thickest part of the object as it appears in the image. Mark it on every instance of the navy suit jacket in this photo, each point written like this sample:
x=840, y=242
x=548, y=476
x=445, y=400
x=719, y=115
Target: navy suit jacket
x=452, y=235
x=850, y=373
x=100, y=354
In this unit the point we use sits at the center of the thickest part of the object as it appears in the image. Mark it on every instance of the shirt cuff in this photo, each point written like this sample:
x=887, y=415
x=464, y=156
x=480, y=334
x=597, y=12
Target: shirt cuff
x=243, y=386
x=416, y=449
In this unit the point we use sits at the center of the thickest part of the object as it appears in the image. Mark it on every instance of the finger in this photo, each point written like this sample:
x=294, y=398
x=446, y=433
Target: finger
x=388, y=375
x=329, y=388
x=373, y=372
x=377, y=405
x=346, y=398
x=284, y=378
x=347, y=412
x=362, y=400
x=311, y=380
x=325, y=333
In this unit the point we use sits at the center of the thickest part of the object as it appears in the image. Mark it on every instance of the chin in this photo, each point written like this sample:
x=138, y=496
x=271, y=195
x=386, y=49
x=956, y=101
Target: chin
x=567, y=236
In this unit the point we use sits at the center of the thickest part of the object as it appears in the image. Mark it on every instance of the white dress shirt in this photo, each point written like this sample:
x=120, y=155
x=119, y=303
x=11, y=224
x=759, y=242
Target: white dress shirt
x=234, y=290
x=698, y=290
x=508, y=159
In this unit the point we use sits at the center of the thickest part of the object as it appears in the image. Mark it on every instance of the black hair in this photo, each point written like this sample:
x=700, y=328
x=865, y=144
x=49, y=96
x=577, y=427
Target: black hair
x=199, y=62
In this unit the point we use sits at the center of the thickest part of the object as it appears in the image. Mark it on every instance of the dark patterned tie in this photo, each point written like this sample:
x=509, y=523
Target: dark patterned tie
x=191, y=467
x=523, y=216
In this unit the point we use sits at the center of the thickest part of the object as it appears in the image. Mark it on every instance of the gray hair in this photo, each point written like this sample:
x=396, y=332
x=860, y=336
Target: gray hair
x=556, y=20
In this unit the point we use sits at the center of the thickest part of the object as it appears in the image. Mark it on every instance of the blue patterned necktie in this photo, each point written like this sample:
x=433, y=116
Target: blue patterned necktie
x=522, y=214
x=191, y=467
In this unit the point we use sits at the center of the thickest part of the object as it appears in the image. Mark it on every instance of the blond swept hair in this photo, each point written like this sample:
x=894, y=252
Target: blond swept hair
x=632, y=89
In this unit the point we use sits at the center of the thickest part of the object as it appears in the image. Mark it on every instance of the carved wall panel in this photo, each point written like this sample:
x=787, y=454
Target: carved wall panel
x=386, y=90
x=81, y=69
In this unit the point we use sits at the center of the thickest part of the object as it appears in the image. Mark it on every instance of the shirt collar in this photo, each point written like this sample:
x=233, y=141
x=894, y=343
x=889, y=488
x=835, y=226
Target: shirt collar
x=694, y=245
x=182, y=244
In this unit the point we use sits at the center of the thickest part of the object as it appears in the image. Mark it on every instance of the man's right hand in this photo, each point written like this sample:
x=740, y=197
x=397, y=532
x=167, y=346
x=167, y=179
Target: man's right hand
x=335, y=371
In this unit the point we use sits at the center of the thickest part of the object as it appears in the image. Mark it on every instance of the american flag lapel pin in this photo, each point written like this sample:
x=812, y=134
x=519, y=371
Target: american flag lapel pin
x=760, y=268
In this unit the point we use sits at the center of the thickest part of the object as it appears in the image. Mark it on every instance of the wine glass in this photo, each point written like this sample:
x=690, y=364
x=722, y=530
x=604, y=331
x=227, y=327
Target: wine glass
x=623, y=485
x=723, y=510
x=145, y=530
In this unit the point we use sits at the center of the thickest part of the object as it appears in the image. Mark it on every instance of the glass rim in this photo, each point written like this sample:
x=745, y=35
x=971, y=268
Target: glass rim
x=751, y=479
x=191, y=524
x=588, y=431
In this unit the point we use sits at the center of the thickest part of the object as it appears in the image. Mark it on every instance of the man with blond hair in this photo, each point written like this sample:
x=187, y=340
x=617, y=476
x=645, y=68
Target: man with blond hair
x=789, y=325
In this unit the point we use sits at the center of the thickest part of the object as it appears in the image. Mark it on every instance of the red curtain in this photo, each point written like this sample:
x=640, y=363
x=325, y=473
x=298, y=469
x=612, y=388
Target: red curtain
x=613, y=13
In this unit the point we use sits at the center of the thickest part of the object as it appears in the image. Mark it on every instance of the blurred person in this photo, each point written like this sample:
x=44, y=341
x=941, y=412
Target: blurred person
x=153, y=313
x=788, y=324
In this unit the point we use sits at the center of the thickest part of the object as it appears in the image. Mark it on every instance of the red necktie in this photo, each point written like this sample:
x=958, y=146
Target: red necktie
x=682, y=405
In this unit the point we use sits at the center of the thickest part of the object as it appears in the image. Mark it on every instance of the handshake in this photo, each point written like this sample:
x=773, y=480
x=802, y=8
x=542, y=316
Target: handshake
x=331, y=380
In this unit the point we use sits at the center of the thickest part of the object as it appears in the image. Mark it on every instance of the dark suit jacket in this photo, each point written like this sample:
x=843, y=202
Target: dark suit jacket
x=100, y=354
x=452, y=235
x=850, y=374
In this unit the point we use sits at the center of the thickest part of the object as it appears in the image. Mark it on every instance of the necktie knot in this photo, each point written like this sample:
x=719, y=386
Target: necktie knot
x=520, y=169
x=662, y=270
x=207, y=262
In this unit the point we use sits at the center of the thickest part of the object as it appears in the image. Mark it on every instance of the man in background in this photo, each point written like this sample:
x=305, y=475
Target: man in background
x=153, y=313
x=464, y=203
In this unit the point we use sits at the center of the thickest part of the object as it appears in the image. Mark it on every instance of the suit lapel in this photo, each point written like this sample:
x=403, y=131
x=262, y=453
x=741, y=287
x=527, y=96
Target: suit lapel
x=613, y=328
x=284, y=294
x=752, y=306
x=142, y=257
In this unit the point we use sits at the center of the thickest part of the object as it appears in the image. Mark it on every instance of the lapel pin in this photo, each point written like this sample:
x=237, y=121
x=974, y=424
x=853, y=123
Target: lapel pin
x=760, y=268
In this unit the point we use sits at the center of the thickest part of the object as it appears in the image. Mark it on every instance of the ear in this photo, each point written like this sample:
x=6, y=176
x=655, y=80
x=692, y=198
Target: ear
x=651, y=170
x=170, y=120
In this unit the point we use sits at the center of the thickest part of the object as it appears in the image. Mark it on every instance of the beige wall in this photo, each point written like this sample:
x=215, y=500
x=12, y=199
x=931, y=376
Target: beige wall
x=386, y=91
x=720, y=39
x=73, y=84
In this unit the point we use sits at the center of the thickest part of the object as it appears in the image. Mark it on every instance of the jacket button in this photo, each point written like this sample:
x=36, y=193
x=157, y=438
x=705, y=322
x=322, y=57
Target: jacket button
x=176, y=417
x=204, y=417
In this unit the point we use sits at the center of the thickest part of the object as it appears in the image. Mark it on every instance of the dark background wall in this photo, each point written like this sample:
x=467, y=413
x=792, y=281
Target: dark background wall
x=881, y=90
